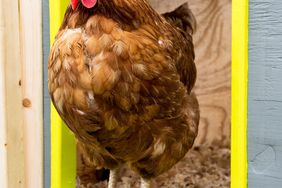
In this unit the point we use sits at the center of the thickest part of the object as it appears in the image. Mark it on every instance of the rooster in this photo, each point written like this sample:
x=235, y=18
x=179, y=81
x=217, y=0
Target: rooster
x=121, y=76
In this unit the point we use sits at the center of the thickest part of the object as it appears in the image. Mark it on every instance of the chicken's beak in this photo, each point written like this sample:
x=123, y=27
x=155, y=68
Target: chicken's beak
x=74, y=4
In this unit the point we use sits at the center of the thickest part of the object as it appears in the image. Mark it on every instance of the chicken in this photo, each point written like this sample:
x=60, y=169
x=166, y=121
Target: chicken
x=121, y=76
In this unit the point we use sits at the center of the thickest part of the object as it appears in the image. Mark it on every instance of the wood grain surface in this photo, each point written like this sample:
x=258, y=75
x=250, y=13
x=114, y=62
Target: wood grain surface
x=21, y=151
x=213, y=58
x=12, y=145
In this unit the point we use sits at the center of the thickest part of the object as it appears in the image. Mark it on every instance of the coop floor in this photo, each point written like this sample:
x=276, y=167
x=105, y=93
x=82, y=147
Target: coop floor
x=204, y=167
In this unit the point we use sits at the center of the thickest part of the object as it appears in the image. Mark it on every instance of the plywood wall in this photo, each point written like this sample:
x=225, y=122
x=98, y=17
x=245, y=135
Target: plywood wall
x=213, y=58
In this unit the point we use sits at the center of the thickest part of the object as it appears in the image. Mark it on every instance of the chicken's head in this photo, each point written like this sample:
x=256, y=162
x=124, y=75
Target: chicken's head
x=86, y=3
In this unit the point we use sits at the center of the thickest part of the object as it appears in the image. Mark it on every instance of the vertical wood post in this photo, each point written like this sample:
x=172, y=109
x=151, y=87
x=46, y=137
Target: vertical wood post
x=31, y=85
x=20, y=94
x=13, y=124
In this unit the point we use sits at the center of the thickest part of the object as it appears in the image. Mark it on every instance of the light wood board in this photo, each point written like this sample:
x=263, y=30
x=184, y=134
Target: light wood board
x=21, y=132
x=213, y=58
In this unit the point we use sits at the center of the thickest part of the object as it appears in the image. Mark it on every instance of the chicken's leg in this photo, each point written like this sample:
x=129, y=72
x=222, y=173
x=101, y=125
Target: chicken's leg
x=145, y=183
x=113, y=178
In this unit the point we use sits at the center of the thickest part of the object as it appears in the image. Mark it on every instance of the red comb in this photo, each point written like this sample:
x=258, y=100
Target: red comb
x=74, y=4
x=89, y=3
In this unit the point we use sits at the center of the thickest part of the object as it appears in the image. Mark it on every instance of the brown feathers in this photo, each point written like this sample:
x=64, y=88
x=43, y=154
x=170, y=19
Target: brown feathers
x=120, y=76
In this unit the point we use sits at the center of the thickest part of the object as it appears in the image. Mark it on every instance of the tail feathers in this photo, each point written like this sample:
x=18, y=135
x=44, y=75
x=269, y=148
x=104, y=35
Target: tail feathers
x=183, y=18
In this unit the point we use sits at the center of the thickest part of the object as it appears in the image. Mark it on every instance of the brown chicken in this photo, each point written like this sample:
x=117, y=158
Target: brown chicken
x=120, y=76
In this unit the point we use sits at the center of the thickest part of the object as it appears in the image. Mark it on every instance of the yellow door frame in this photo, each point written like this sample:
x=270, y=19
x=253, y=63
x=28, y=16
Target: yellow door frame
x=63, y=147
x=239, y=93
x=63, y=152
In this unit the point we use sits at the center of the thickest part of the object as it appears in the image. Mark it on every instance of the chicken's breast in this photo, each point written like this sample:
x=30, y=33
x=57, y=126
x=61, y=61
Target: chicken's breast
x=125, y=94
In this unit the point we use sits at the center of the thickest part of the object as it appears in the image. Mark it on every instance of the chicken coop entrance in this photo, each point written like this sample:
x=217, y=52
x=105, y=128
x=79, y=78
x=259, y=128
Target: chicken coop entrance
x=224, y=89
x=63, y=145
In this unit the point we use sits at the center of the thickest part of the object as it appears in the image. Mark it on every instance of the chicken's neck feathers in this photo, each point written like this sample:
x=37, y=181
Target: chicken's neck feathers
x=128, y=13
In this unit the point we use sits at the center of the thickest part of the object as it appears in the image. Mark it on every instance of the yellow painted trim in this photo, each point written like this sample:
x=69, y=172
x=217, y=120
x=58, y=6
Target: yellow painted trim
x=239, y=93
x=63, y=149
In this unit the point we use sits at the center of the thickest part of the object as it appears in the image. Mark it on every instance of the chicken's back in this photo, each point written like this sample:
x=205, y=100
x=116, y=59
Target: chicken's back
x=125, y=93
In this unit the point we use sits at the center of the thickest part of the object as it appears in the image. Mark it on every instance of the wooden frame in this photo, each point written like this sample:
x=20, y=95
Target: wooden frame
x=64, y=178
x=239, y=94
x=21, y=94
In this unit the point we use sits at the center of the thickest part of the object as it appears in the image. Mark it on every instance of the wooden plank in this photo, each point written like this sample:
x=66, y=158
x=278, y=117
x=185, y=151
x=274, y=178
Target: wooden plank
x=13, y=96
x=3, y=129
x=21, y=104
x=239, y=93
x=31, y=82
x=63, y=154
x=212, y=41
x=265, y=91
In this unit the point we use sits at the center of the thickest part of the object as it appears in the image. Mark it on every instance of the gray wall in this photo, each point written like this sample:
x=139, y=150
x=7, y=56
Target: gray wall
x=265, y=94
x=47, y=129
